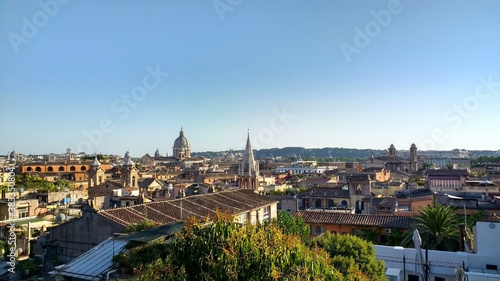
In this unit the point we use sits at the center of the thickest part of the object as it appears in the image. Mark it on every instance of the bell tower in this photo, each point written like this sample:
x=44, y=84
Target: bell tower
x=95, y=175
x=129, y=173
x=414, y=157
x=392, y=150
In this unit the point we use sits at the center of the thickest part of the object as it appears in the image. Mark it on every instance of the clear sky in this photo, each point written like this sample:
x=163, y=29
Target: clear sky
x=108, y=76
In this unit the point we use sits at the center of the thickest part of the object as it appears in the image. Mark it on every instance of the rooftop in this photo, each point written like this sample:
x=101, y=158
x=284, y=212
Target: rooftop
x=403, y=222
x=94, y=264
x=200, y=206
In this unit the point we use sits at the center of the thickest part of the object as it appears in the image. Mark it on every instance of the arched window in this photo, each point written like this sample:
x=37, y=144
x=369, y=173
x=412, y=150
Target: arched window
x=50, y=169
x=29, y=169
x=344, y=203
x=318, y=203
x=100, y=179
x=38, y=169
x=83, y=168
x=133, y=181
x=72, y=168
x=331, y=203
x=61, y=169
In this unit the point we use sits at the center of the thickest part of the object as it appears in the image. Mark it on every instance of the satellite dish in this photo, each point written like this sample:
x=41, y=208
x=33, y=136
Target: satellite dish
x=60, y=217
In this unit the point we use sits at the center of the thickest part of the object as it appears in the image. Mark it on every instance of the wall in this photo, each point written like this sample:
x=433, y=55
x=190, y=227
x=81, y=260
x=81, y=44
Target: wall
x=72, y=239
x=32, y=204
x=486, y=235
x=441, y=263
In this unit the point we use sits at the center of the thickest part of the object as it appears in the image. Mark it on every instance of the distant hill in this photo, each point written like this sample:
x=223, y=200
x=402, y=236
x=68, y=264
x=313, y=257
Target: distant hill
x=287, y=152
x=327, y=153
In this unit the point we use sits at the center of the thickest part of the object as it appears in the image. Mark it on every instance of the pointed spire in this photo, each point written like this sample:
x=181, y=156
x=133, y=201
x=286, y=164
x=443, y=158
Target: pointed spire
x=249, y=167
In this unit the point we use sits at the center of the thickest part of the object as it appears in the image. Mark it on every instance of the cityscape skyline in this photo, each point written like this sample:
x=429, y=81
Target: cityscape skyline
x=108, y=77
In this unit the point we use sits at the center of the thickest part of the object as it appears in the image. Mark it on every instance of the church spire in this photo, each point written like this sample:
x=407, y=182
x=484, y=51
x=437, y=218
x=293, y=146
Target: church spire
x=249, y=167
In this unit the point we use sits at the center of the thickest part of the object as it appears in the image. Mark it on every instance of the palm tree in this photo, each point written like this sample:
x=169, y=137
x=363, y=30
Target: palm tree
x=438, y=226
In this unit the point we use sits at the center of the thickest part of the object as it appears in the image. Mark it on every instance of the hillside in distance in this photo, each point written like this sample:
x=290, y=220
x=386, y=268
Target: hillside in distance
x=318, y=153
x=329, y=153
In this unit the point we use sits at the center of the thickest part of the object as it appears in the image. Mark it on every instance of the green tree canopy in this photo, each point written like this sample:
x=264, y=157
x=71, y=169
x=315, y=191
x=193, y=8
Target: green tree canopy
x=292, y=225
x=227, y=250
x=438, y=227
x=351, y=254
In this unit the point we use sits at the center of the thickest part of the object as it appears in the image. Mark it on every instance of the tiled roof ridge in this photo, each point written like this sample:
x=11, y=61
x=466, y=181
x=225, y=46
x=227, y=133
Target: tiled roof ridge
x=115, y=219
x=160, y=212
x=226, y=206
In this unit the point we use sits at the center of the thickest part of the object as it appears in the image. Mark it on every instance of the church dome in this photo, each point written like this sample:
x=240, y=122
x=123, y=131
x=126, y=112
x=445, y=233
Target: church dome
x=95, y=163
x=181, y=142
x=127, y=161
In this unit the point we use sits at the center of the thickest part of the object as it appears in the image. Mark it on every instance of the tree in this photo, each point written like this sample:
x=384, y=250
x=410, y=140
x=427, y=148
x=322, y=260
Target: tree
x=227, y=250
x=292, y=225
x=438, y=227
x=145, y=224
x=352, y=255
x=426, y=166
x=366, y=234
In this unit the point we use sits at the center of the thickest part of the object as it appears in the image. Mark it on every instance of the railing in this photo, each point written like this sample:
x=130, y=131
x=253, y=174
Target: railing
x=415, y=261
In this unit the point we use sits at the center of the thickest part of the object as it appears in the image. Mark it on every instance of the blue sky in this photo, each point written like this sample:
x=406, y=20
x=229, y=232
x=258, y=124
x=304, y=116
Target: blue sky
x=108, y=76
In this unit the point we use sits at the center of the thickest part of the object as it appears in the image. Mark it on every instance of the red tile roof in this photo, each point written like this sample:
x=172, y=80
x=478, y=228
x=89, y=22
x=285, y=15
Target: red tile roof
x=321, y=217
x=201, y=206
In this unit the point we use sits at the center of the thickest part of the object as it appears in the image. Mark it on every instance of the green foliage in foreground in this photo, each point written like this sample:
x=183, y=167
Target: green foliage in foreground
x=292, y=225
x=351, y=254
x=226, y=250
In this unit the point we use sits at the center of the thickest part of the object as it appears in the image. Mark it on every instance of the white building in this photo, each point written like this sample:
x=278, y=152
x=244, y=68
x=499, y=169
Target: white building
x=482, y=264
x=303, y=167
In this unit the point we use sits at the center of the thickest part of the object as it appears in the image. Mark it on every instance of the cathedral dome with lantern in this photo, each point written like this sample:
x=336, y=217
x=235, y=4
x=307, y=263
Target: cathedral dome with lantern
x=181, y=149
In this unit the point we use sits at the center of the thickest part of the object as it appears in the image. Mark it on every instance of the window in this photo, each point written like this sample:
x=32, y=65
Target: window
x=317, y=230
x=38, y=169
x=23, y=212
x=318, y=203
x=83, y=168
x=50, y=169
x=244, y=217
x=267, y=211
x=61, y=169
x=72, y=168
x=331, y=203
x=358, y=189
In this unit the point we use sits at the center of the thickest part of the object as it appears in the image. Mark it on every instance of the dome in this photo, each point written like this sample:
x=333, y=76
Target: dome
x=181, y=141
x=127, y=161
x=95, y=163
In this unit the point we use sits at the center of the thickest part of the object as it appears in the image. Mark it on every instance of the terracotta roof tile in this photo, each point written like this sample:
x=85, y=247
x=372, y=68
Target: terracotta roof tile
x=403, y=222
x=201, y=206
